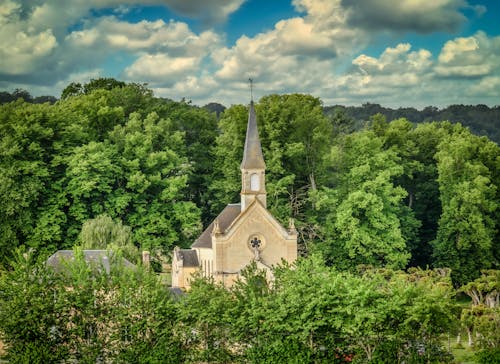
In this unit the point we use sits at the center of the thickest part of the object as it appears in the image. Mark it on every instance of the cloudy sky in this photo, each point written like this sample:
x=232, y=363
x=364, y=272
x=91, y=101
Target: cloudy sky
x=392, y=52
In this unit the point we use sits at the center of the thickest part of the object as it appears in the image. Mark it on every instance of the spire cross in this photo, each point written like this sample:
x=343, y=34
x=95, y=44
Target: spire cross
x=250, y=80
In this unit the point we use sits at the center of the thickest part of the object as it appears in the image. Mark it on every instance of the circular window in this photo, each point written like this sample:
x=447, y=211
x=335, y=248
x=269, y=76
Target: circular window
x=256, y=245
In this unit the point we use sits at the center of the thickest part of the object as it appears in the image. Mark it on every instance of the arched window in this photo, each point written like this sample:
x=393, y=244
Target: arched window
x=254, y=182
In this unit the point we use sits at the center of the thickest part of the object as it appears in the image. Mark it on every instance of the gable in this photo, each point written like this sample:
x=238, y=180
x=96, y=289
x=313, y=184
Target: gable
x=257, y=212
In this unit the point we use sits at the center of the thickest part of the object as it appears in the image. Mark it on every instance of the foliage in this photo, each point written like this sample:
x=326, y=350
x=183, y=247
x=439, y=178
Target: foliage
x=85, y=314
x=104, y=233
x=361, y=216
x=467, y=239
x=102, y=151
x=307, y=313
x=204, y=323
x=312, y=313
x=481, y=119
x=481, y=318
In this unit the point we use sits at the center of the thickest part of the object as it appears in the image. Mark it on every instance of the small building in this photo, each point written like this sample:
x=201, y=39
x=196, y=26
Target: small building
x=243, y=232
x=100, y=259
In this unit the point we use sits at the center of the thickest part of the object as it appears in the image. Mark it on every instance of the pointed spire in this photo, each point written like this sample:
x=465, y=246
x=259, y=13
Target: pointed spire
x=252, y=154
x=216, y=230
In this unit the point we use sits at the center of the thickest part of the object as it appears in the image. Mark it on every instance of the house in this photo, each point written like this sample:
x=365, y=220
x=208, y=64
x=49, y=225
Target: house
x=243, y=232
x=100, y=259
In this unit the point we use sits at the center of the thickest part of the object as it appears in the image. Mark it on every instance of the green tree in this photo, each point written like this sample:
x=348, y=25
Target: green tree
x=155, y=175
x=28, y=310
x=104, y=233
x=481, y=318
x=85, y=313
x=467, y=239
x=200, y=133
x=25, y=147
x=73, y=89
x=204, y=323
x=361, y=215
x=423, y=188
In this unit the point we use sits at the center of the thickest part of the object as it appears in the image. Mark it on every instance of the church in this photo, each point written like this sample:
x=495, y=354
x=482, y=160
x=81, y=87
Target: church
x=243, y=232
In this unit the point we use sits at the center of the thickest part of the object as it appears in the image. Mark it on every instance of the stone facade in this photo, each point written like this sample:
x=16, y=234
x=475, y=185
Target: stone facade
x=242, y=233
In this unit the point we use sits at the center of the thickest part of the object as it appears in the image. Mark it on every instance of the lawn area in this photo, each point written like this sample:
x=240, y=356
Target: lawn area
x=462, y=354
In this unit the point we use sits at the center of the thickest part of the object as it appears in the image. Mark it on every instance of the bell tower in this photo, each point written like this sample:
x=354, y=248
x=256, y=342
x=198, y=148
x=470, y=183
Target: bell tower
x=253, y=167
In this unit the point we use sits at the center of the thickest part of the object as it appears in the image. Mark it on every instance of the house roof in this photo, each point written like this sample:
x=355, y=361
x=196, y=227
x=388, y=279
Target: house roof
x=98, y=257
x=225, y=218
x=252, y=154
x=188, y=256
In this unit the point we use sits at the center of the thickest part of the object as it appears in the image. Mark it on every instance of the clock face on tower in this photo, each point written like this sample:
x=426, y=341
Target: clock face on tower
x=254, y=182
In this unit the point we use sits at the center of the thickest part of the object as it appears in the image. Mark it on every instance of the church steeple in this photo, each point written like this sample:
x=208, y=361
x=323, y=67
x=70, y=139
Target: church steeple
x=252, y=154
x=252, y=166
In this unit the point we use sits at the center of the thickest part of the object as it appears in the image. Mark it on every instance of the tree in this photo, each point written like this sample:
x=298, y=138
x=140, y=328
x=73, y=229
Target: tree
x=200, y=133
x=28, y=310
x=73, y=89
x=423, y=188
x=103, y=83
x=467, y=239
x=104, y=233
x=361, y=215
x=204, y=322
x=26, y=142
x=482, y=318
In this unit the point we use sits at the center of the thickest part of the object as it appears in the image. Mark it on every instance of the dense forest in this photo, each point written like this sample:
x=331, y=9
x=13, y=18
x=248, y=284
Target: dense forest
x=377, y=196
x=391, y=194
x=480, y=119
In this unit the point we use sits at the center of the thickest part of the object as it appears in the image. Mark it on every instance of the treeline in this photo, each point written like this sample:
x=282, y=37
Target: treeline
x=309, y=314
x=480, y=119
x=392, y=194
x=6, y=97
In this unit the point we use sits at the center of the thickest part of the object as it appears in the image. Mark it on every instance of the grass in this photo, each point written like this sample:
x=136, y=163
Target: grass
x=462, y=354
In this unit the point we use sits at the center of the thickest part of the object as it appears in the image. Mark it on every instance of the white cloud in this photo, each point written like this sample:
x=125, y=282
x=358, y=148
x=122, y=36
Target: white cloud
x=22, y=47
x=475, y=56
x=397, y=68
x=161, y=68
x=36, y=44
x=298, y=51
x=145, y=36
x=319, y=52
x=488, y=86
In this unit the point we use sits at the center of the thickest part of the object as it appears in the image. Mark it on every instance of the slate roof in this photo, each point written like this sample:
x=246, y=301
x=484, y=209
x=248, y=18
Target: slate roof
x=189, y=257
x=252, y=154
x=101, y=258
x=225, y=218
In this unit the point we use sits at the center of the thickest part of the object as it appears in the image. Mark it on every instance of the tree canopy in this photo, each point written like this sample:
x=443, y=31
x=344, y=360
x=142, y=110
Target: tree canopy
x=386, y=192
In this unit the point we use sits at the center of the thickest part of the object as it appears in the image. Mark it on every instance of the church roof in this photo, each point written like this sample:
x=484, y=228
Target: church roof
x=99, y=258
x=225, y=218
x=252, y=154
x=189, y=257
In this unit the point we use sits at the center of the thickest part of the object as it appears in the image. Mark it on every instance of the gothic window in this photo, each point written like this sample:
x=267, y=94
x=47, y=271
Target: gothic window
x=254, y=182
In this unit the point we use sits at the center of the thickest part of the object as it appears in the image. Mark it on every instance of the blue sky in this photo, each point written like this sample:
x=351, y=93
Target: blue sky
x=396, y=53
